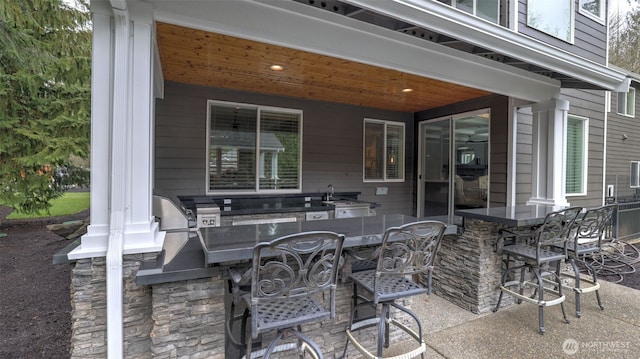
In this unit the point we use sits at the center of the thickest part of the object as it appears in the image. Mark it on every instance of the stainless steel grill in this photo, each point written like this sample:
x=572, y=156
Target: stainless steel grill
x=175, y=216
x=171, y=212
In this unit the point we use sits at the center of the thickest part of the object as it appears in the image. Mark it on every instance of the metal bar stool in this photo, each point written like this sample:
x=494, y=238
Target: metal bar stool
x=406, y=253
x=290, y=277
x=538, y=253
x=586, y=239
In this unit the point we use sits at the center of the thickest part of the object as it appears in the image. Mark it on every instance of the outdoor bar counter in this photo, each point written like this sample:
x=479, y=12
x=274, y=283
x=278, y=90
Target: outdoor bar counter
x=469, y=269
x=176, y=300
x=189, y=294
x=189, y=290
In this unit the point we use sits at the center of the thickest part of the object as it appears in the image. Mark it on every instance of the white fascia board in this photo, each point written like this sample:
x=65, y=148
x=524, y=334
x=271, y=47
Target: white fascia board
x=302, y=27
x=460, y=25
x=635, y=77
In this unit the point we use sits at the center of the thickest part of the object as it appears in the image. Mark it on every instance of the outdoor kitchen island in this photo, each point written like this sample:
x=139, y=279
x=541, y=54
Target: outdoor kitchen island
x=189, y=290
x=470, y=268
x=176, y=300
x=190, y=295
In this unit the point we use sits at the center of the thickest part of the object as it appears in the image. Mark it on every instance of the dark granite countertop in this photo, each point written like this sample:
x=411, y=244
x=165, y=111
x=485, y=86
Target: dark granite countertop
x=224, y=244
x=261, y=204
x=517, y=216
x=198, y=254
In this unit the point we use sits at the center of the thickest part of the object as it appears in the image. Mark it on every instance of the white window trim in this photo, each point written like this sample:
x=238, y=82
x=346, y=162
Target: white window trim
x=585, y=159
x=600, y=19
x=257, y=190
x=474, y=12
x=634, y=185
x=626, y=101
x=404, y=153
x=572, y=23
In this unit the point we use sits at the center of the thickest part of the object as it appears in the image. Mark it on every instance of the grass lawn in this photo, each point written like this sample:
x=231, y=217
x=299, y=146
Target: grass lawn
x=69, y=203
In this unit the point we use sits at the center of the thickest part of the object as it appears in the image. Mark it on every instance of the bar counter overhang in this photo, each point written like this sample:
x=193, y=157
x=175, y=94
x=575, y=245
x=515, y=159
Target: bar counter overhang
x=469, y=264
x=192, y=254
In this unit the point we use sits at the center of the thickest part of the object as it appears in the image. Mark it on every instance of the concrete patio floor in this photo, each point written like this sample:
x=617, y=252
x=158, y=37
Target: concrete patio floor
x=512, y=332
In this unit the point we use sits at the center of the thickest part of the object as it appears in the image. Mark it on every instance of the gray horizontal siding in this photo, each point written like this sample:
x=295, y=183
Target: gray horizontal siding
x=590, y=104
x=524, y=155
x=332, y=144
x=584, y=103
x=620, y=150
x=590, y=36
x=499, y=138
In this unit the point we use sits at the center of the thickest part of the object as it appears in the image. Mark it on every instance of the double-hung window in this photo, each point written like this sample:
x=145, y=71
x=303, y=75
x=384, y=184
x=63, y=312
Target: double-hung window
x=253, y=148
x=383, y=157
x=576, y=169
x=554, y=17
x=627, y=103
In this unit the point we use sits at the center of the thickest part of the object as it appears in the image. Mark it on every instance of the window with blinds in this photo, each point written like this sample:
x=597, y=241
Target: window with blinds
x=383, y=157
x=576, y=171
x=253, y=148
x=627, y=103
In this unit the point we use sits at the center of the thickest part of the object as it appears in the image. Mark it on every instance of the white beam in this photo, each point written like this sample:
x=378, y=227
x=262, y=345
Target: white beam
x=463, y=26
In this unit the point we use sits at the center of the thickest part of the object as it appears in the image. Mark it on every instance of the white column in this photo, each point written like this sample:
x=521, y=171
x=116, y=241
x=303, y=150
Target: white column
x=94, y=243
x=549, y=153
x=141, y=230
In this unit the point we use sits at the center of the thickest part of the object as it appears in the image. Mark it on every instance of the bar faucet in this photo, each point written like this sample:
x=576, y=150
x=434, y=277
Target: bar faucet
x=330, y=192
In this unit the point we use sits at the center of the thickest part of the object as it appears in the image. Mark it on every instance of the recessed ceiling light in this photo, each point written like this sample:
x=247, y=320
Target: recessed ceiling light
x=276, y=68
x=407, y=90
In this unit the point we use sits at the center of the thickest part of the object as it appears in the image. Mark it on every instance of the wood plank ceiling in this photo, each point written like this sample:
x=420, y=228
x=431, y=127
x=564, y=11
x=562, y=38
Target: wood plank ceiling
x=203, y=58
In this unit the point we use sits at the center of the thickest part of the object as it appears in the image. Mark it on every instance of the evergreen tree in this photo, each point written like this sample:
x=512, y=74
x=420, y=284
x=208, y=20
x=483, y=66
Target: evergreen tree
x=45, y=56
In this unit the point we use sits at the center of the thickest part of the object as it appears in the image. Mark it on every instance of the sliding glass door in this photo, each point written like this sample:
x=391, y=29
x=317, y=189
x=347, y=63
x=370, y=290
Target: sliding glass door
x=453, y=168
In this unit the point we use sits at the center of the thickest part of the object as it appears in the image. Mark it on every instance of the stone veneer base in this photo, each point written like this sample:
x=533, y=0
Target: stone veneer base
x=181, y=319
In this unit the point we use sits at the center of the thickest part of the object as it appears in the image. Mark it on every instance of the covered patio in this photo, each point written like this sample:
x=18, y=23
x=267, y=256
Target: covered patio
x=157, y=63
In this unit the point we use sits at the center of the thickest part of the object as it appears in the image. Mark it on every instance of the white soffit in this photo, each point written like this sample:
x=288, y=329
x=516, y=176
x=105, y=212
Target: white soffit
x=303, y=27
x=460, y=25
